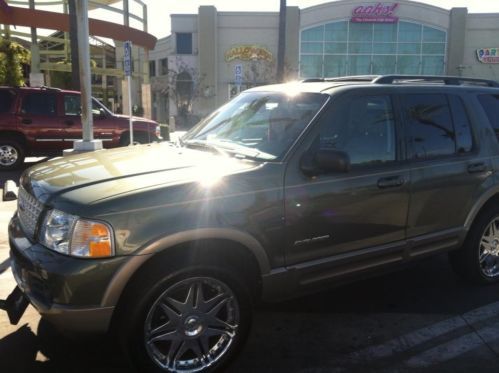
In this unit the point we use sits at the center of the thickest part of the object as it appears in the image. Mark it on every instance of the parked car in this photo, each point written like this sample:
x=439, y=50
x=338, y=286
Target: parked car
x=44, y=121
x=285, y=190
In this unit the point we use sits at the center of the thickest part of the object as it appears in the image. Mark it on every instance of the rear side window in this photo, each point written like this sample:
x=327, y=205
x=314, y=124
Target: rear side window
x=490, y=104
x=6, y=100
x=39, y=104
x=431, y=131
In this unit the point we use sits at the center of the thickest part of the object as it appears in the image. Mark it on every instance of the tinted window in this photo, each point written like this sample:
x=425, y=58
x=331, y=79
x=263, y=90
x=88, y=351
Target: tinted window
x=39, y=104
x=72, y=105
x=429, y=121
x=464, y=138
x=152, y=68
x=6, y=100
x=490, y=104
x=363, y=127
x=163, y=66
x=184, y=43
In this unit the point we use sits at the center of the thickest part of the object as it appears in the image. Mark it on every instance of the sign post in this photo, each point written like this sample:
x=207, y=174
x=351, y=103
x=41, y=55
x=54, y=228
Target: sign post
x=127, y=64
x=238, y=76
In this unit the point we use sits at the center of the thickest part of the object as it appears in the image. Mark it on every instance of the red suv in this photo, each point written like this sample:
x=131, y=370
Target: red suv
x=44, y=121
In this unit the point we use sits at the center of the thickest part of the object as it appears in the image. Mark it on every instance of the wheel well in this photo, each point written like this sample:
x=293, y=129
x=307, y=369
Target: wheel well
x=14, y=135
x=492, y=201
x=222, y=253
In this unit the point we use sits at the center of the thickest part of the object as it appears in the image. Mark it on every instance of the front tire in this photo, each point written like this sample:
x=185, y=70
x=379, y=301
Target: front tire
x=11, y=154
x=193, y=321
x=478, y=259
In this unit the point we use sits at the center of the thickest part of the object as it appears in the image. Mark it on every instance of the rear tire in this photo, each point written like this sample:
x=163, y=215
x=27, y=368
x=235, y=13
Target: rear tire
x=478, y=259
x=11, y=154
x=195, y=319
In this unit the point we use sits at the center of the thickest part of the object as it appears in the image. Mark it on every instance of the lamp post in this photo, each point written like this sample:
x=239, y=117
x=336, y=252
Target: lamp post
x=88, y=143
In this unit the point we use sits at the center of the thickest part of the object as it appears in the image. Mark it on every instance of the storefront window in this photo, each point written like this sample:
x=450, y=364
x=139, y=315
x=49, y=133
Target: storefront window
x=347, y=48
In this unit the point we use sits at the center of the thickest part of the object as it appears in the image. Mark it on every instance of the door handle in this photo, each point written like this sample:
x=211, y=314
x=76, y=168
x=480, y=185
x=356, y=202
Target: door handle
x=477, y=167
x=391, y=182
x=26, y=121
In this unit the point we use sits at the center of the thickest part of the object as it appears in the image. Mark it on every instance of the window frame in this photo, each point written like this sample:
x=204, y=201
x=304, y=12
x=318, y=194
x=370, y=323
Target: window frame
x=40, y=93
x=314, y=130
x=177, y=44
x=407, y=139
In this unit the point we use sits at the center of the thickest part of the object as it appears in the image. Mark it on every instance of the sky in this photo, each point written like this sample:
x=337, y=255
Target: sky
x=159, y=10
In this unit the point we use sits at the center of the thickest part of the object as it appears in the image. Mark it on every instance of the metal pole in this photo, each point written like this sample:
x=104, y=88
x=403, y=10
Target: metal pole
x=129, y=80
x=73, y=43
x=84, y=57
x=282, y=42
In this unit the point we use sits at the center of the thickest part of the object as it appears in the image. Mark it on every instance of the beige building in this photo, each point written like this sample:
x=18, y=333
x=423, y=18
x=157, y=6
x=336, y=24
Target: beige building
x=213, y=55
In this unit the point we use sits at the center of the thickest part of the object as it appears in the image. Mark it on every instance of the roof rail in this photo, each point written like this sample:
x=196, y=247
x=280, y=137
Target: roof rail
x=353, y=78
x=312, y=80
x=49, y=88
x=447, y=80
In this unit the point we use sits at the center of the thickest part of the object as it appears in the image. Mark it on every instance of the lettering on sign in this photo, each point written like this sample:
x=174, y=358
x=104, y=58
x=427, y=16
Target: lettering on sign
x=378, y=13
x=488, y=55
x=248, y=53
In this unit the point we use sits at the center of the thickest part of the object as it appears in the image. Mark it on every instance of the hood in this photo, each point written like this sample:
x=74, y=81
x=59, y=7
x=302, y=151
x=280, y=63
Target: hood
x=105, y=173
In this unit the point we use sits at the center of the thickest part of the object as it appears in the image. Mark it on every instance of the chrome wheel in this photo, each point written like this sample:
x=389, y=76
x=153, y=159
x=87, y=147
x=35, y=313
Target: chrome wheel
x=192, y=325
x=489, y=249
x=8, y=155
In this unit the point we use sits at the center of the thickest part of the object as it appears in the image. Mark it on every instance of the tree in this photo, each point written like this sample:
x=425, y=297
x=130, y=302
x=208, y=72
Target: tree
x=12, y=58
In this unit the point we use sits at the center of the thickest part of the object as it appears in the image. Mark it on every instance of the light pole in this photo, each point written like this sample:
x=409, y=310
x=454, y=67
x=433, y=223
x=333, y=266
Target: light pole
x=88, y=143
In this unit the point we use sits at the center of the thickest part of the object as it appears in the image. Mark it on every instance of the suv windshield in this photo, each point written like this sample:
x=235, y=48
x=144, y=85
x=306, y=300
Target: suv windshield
x=260, y=125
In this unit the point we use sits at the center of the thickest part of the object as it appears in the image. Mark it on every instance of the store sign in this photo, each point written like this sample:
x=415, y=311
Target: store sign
x=377, y=13
x=488, y=55
x=248, y=53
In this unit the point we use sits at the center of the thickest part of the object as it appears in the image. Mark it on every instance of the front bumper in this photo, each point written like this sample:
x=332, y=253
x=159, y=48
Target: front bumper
x=66, y=291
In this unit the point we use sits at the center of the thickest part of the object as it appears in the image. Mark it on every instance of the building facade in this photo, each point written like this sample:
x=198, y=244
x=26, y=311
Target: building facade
x=214, y=55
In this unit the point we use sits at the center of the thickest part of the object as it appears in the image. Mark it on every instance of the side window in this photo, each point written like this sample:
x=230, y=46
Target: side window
x=430, y=130
x=72, y=105
x=184, y=43
x=464, y=137
x=6, y=100
x=39, y=104
x=363, y=127
x=490, y=104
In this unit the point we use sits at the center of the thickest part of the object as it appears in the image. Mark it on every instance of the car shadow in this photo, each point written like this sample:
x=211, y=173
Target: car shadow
x=49, y=351
x=16, y=174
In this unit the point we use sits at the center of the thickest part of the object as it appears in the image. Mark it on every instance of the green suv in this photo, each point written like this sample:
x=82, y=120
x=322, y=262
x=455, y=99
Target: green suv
x=282, y=191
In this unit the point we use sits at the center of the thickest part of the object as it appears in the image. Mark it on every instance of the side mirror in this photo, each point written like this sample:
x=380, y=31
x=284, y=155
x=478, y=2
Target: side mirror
x=325, y=161
x=98, y=113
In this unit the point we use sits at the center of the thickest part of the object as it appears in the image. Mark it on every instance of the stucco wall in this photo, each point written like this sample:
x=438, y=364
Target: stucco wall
x=482, y=31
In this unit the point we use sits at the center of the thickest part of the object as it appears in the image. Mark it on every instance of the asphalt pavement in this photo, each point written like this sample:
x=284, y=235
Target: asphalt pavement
x=421, y=318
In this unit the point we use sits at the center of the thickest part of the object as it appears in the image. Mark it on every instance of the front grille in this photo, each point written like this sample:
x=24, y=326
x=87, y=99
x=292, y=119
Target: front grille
x=28, y=210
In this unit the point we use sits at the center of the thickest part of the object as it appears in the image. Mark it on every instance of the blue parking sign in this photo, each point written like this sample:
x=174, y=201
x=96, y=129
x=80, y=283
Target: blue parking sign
x=127, y=59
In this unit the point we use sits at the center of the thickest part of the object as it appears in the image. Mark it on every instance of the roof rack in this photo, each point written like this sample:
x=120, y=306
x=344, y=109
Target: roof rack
x=353, y=78
x=447, y=80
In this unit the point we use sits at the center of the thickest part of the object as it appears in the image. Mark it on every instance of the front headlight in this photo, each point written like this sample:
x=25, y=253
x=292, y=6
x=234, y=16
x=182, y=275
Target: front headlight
x=70, y=235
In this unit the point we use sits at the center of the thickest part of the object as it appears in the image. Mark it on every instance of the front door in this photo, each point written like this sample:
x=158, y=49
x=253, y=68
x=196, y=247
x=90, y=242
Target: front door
x=338, y=213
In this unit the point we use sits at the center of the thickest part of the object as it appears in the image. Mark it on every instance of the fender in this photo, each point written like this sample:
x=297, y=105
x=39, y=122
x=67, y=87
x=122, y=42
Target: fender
x=484, y=198
x=125, y=273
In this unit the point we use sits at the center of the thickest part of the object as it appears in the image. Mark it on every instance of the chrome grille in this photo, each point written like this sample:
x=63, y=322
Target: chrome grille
x=28, y=210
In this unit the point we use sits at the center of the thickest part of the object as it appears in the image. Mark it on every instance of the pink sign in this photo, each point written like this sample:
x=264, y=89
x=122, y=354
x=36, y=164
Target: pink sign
x=378, y=13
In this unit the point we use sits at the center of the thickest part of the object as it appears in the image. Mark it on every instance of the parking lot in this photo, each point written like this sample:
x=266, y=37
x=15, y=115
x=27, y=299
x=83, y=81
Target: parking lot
x=420, y=318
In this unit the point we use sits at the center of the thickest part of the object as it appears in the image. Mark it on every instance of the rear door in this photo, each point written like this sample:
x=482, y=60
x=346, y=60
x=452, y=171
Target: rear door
x=447, y=167
x=38, y=119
